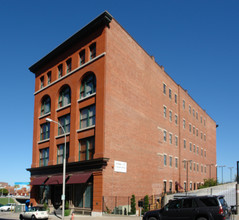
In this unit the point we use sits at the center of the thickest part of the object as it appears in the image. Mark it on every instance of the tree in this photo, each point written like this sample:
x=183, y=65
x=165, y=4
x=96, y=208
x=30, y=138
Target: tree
x=3, y=191
x=208, y=183
x=133, y=205
x=146, y=204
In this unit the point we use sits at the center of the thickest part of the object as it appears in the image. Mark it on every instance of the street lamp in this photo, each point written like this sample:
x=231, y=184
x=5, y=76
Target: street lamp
x=222, y=171
x=64, y=168
x=210, y=165
x=230, y=172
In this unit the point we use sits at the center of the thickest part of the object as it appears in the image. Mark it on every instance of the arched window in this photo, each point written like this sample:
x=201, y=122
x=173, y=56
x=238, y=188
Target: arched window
x=45, y=105
x=64, y=96
x=88, y=85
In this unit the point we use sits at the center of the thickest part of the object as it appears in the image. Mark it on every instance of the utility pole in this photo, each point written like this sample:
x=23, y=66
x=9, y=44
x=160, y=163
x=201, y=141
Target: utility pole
x=222, y=171
x=230, y=168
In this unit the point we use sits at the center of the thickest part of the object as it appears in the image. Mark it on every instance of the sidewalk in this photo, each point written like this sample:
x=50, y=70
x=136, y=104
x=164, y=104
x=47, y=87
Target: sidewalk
x=107, y=217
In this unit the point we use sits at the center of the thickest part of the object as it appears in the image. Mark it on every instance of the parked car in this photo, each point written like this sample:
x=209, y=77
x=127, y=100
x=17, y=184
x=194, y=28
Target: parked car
x=35, y=212
x=8, y=207
x=193, y=208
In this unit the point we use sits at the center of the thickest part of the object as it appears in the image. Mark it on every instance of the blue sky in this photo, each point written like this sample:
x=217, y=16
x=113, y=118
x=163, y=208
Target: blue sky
x=197, y=41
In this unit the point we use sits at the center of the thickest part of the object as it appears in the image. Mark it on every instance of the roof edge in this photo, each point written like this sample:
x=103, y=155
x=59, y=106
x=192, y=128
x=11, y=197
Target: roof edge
x=103, y=19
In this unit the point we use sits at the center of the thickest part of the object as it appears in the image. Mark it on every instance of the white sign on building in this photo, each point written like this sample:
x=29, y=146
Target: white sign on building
x=120, y=166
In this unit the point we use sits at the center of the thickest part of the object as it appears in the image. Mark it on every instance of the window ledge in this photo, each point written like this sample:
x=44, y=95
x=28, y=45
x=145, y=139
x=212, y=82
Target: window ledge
x=86, y=97
x=42, y=116
x=63, y=107
x=84, y=129
x=72, y=72
x=62, y=135
x=43, y=141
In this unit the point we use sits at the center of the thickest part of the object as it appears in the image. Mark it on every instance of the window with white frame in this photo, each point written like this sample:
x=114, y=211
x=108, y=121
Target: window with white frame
x=184, y=123
x=184, y=144
x=176, y=140
x=170, y=161
x=165, y=136
x=176, y=162
x=170, y=93
x=176, y=98
x=170, y=138
x=176, y=119
x=183, y=104
x=164, y=88
x=165, y=111
x=165, y=160
x=170, y=115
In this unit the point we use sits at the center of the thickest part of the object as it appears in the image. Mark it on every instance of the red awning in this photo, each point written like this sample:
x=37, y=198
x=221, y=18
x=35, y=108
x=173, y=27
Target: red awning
x=38, y=181
x=79, y=178
x=55, y=180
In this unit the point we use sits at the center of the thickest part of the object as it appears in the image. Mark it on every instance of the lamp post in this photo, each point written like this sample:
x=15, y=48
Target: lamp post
x=230, y=168
x=64, y=168
x=210, y=165
x=222, y=171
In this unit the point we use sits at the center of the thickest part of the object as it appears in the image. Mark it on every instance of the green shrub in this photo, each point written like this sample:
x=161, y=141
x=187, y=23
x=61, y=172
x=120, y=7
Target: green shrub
x=133, y=205
x=67, y=212
x=146, y=204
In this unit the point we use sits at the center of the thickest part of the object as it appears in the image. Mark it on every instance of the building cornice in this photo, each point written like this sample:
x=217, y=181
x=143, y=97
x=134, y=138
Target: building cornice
x=86, y=165
x=102, y=20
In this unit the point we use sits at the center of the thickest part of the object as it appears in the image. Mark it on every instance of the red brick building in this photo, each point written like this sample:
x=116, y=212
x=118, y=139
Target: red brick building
x=129, y=125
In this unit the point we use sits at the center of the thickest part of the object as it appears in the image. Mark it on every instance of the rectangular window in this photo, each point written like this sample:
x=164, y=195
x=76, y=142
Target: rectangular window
x=87, y=116
x=164, y=89
x=170, y=161
x=176, y=141
x=183, y=104
x=165, y=111
x=197, y=132
x=176, y=162
x=170, y=138
x=190, y=165
x=184, y=123
x=194, y=148
x=193, y=113
x=165, y=160
x=197, y=167
x=205, y=153
x=204, y=137
x=189, y=109
x=92, y=51
x=184, y=164
x=82, y=57
x=170, y=115
x=60, y=153
x=68, y=65
x=184, y=144
x=176, y=98
x=201, y=119
x=44, y=157
x=165, y=136
x=45, y=131
x=190, y=146
x=201, y=152
x=49, y=77
x=196, y=115
x=170, y=93
x=65, y=122
x=176, y=119
x=197, y=150
x=42, y=81
x=193, y=130
x=190, y=128
x=194, y=166
x=86, y=148
x=60, y=70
